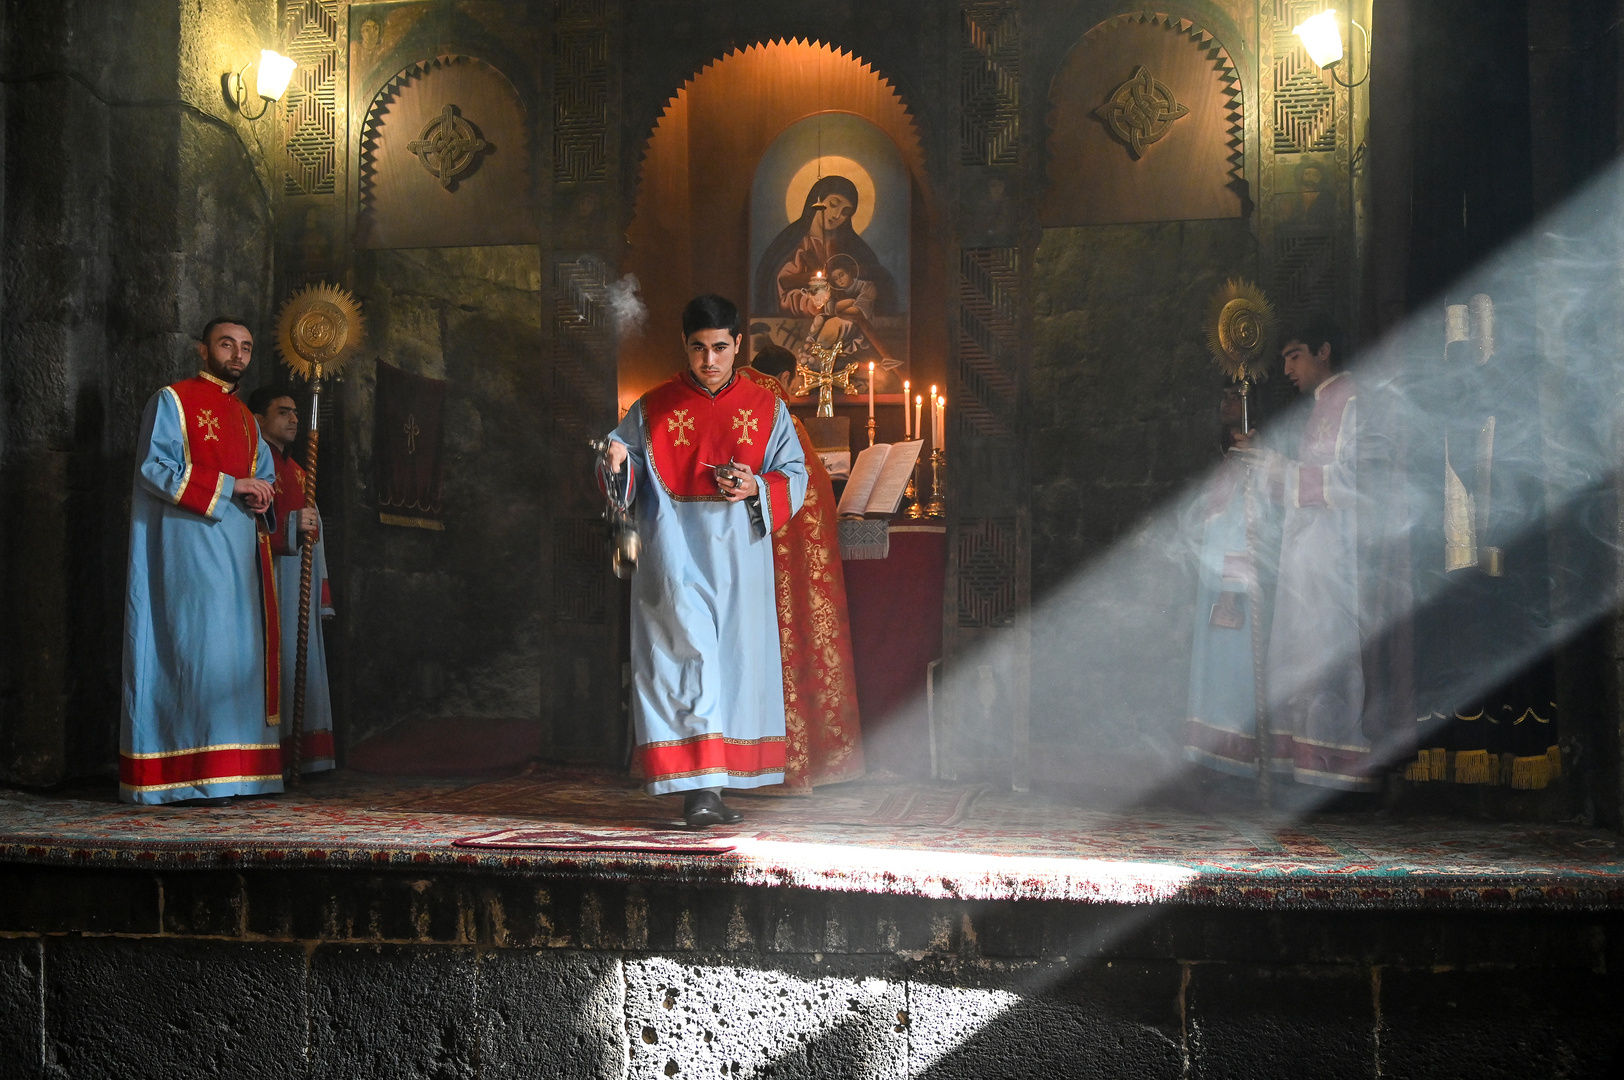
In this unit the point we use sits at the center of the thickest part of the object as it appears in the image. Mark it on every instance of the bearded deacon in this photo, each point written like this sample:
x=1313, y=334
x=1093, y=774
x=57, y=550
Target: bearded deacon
x=201, y=645
x=714, y=469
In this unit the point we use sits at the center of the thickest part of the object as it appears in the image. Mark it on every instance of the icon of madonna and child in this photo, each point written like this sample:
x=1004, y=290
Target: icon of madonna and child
x=819, y=282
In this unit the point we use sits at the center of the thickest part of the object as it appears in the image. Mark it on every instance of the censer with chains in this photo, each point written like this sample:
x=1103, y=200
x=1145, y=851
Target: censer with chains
x=618, y=512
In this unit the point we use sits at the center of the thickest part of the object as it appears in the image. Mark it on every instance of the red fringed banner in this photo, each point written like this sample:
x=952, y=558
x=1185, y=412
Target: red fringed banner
x=406, y=447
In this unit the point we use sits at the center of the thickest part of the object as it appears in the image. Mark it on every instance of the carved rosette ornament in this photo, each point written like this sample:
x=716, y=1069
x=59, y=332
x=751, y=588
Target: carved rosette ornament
x=1140, y=111
x=448, y=146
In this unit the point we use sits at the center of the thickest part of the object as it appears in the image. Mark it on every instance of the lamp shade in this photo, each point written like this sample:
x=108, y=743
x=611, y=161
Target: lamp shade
x=1322, y=37
x=274, y=72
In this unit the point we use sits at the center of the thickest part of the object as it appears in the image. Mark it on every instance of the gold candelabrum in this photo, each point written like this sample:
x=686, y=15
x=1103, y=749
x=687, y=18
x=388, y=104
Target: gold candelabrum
x=824, y=376
x=937, y=507
x=910, y=495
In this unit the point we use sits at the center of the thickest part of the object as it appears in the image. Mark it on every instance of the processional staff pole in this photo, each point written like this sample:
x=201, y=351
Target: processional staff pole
x=307, y=564
x=1240, y=323
x=320, y=327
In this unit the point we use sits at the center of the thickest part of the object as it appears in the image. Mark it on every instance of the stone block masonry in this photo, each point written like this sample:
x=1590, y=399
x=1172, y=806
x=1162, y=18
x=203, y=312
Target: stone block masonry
x=445, y=974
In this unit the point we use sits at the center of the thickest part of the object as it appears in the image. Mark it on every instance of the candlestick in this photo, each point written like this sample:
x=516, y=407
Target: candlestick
x=937, y=507
x=871, y=393
x=907, y=431
x=919, y=408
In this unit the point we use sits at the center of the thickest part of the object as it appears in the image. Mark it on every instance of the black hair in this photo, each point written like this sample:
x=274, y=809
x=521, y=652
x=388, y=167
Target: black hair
x=1316, y=331
x=220, y=320
x=710, y=312
x=774, y=360
x=261, y=399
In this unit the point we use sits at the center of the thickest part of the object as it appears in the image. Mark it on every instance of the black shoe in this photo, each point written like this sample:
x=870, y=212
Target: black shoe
x=702, y=809
x=221, y=800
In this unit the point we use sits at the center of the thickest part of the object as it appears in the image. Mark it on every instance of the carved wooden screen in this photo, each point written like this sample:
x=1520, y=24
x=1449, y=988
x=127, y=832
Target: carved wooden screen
x=446, y=160
x=1145, y=125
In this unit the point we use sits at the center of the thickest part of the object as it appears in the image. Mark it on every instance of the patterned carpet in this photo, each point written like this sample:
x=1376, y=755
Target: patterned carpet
x=1005, y=846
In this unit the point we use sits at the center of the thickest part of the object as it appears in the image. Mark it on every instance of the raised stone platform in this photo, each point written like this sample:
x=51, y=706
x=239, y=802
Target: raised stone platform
x=332, y=934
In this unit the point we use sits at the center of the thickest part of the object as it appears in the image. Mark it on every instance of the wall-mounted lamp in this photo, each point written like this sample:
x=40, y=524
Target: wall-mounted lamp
x=1322, y=39
x=275, y=70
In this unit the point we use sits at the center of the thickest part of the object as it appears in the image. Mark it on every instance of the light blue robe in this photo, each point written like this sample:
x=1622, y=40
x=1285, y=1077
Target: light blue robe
x=704, y=619
x=1221, y=729
x=318, y=714
x=194, y=645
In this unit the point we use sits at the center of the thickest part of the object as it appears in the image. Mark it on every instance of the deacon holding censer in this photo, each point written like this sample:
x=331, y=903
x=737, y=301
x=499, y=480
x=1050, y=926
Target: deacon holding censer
x=715, y=469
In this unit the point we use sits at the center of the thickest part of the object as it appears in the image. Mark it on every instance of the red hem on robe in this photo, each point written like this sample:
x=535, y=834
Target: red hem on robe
x=318, y=746
x=709, y=754
x=1241, y=749
x=200, y=767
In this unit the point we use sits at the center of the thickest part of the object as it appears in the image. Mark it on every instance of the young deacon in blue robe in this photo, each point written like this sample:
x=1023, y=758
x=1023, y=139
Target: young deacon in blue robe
x=201, y=651
x=715, y=468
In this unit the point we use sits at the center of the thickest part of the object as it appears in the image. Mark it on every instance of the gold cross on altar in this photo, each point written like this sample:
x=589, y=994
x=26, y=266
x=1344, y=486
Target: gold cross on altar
x=412, y=432
x=681, y=423
x=824, y=376
x=210, y=425
x=744, y=424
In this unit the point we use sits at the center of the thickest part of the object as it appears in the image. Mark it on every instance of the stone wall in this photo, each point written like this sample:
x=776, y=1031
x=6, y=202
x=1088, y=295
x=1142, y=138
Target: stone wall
x=136, y=206
x=316, y=974
x=450, y=623
x=1124, y=420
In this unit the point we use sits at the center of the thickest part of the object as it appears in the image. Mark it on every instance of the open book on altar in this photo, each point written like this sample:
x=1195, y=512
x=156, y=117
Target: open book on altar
x=879, y=476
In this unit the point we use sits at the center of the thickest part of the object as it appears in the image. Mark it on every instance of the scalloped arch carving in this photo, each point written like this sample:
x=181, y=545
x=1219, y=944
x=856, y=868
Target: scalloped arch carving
x=404, y=204
x=1194, y=169
x=689, y=230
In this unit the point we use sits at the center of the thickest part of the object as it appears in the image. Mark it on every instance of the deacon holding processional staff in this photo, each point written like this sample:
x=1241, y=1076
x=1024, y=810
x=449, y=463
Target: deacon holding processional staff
x=714, y=469
x=202, y=686
x=297, y=524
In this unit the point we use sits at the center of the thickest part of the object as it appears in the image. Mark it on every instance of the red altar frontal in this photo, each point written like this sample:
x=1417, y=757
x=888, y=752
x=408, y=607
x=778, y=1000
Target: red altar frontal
x=895, y=606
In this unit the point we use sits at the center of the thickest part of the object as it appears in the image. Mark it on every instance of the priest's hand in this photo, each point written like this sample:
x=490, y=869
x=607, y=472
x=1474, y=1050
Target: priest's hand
x=736, y=482
x=310, y=523
x=256, y=494
x=617, y=455
x=1242, y=440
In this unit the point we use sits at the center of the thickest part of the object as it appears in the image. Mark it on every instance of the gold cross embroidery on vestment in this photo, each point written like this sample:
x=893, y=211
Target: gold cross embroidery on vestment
x=681, y=423
x=744, y=424
x=209, y=423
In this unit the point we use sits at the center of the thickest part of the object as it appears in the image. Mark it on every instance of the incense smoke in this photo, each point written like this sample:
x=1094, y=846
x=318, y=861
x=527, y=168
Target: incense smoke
x=626, y=307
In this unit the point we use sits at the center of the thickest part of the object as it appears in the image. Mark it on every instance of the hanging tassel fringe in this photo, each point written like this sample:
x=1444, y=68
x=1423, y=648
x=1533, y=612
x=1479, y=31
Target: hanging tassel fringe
x=1553, y=754
x=1430, y=764
x=1531, y=773
x=1475, y=767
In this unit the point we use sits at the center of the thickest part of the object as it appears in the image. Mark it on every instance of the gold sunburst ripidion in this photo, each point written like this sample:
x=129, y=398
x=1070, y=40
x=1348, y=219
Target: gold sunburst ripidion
x=319, y=324
x=1240, y=330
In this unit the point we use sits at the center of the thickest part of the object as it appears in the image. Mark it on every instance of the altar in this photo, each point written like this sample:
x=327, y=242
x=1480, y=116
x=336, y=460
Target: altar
x=895, y=606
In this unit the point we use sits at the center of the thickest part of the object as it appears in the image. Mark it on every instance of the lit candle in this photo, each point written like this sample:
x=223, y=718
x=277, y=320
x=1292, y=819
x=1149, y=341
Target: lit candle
x=919, y=408
x=871, y=389
x=941, y=423
x=907, y=432
x=933, y=431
